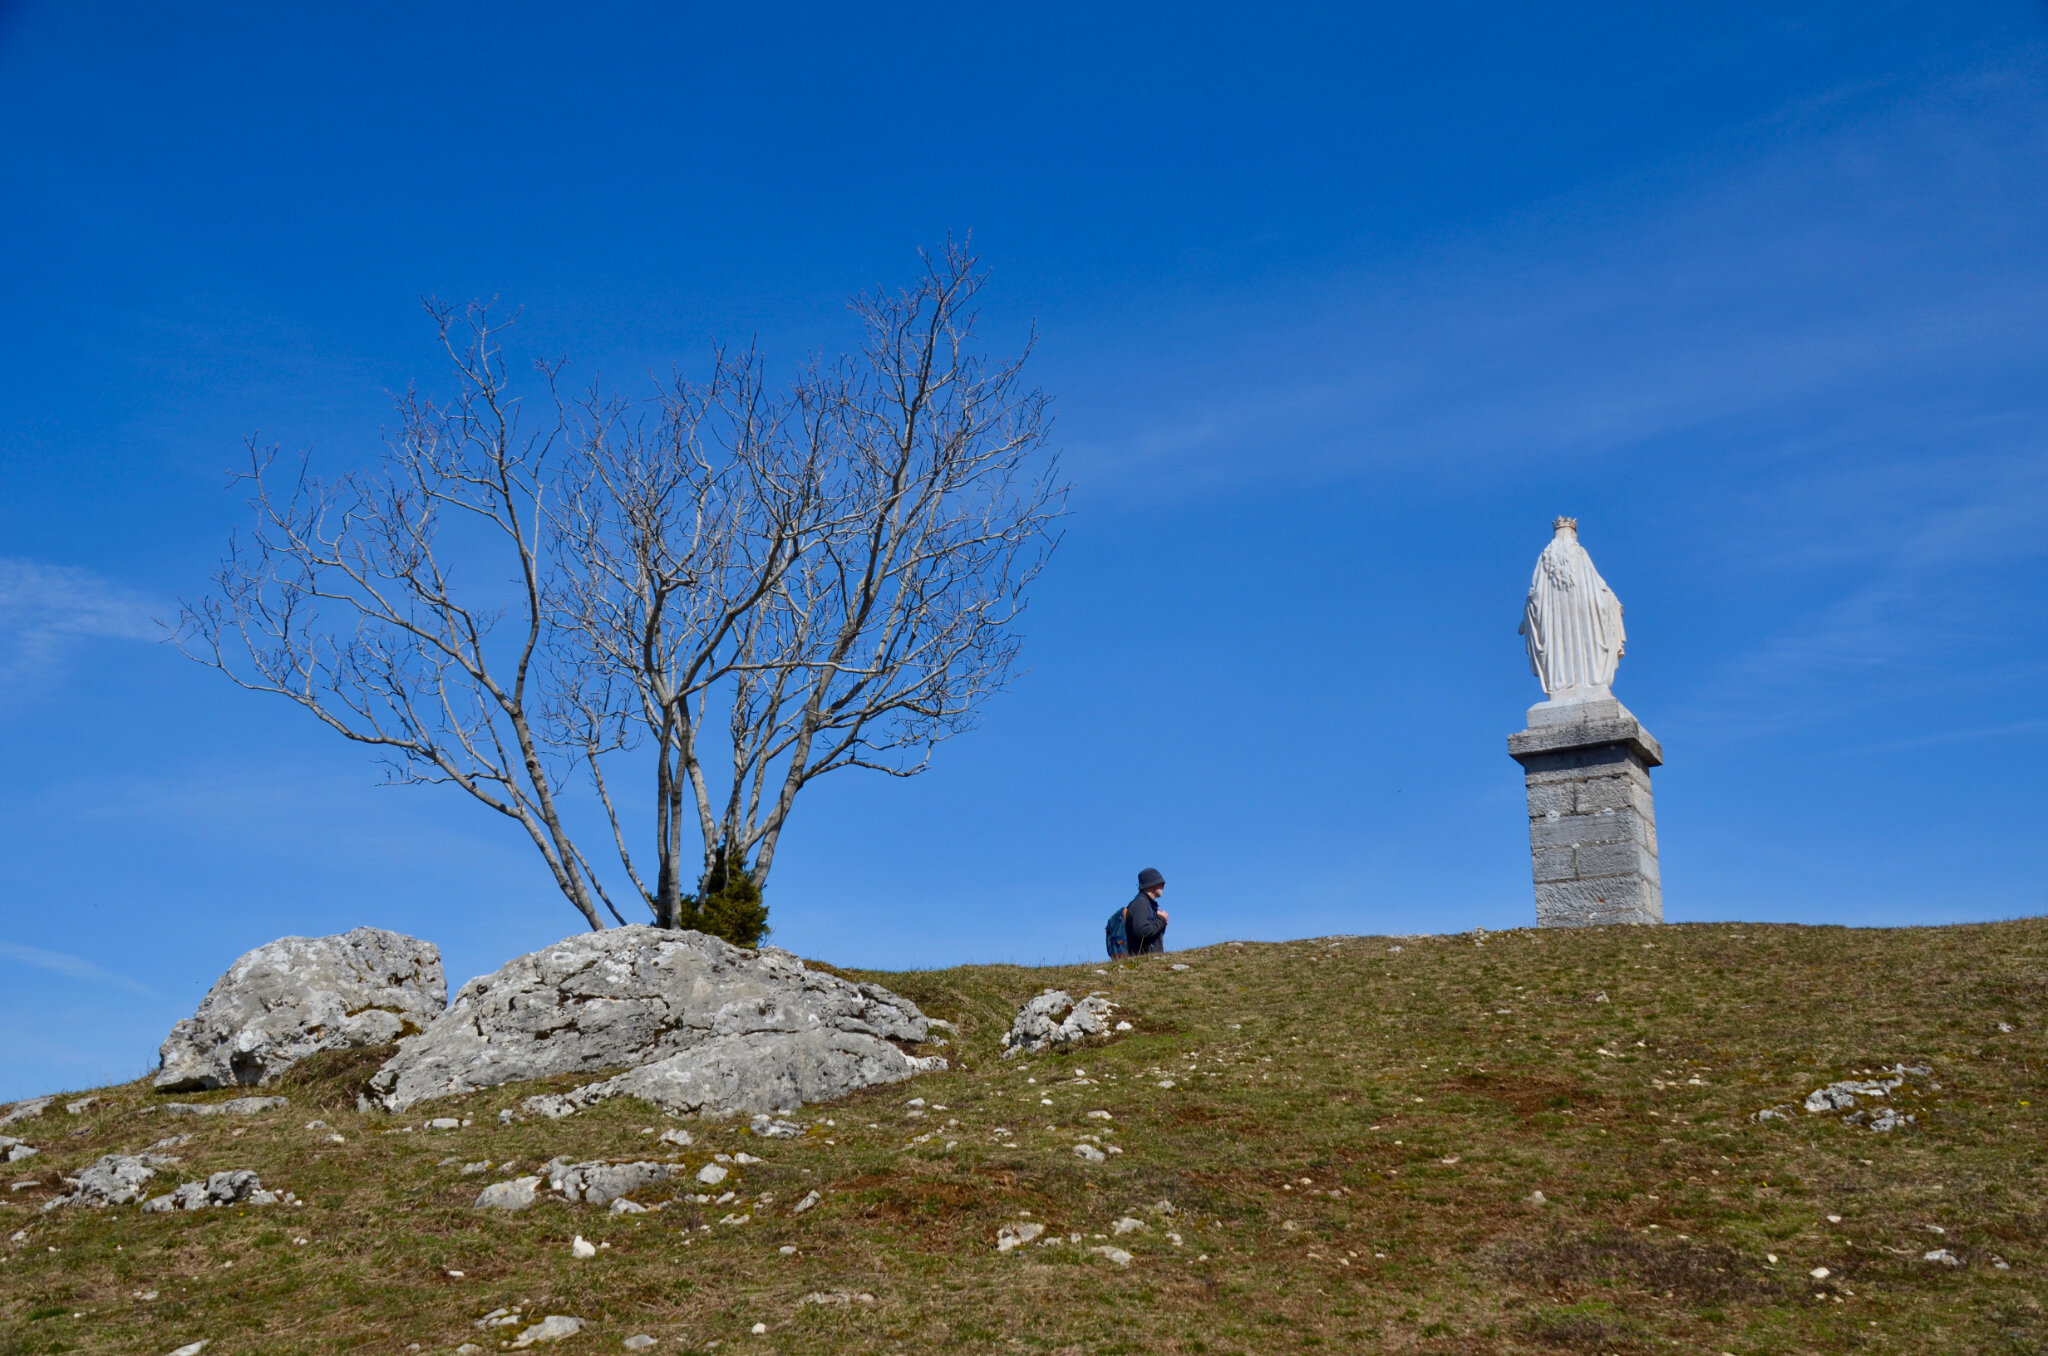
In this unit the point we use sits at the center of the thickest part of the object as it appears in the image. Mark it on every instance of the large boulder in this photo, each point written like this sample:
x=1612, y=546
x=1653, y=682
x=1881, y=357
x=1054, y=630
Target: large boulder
x=298, y=995
x=699, y=1024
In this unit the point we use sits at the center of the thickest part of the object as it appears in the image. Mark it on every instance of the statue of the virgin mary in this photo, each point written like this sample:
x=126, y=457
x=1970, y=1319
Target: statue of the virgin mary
x=1572, y=621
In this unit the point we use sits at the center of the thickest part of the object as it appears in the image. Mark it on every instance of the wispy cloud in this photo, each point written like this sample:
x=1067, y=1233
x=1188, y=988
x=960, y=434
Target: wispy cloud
x=47, y=610
x=75, y=967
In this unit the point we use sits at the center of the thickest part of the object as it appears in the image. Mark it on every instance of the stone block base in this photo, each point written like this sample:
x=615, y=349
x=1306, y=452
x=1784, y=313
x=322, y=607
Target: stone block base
x=1592, y=826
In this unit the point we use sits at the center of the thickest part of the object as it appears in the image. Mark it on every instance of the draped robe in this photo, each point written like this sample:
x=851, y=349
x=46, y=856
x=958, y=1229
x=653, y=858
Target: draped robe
x=1572, y=622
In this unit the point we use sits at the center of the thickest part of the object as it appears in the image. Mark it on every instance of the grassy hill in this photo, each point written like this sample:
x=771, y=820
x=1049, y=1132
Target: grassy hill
x=1349, y=1133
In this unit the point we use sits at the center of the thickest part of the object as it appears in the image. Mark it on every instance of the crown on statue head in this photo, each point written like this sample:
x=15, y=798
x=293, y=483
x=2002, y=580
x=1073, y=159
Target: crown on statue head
x=1561, y=523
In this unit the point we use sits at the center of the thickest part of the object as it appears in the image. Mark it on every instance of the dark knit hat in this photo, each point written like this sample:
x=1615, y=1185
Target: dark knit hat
x=1150, y=877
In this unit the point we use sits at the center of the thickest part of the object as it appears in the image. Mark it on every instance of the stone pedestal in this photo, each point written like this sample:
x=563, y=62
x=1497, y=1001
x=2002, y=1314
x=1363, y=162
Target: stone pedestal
x=1592, y=828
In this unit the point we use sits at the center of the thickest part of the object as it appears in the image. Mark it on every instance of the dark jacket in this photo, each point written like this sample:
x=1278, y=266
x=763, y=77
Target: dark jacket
x=1143, y=926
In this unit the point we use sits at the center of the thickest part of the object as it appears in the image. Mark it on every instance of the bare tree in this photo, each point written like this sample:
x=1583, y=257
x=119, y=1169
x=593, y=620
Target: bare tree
x=344, y=600
x=783, y=584
x=825, y=580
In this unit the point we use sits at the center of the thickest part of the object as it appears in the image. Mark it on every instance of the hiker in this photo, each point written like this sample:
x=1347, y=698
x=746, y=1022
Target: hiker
x=1144, y=920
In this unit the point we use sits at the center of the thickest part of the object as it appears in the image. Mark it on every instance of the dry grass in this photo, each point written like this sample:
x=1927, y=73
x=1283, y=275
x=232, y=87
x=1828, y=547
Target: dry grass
x=1349, y=1145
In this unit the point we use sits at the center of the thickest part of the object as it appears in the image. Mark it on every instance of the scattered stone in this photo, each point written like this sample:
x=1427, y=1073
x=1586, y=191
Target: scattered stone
x=472, y=1169
x=115, y=1179
x=1538, y=1198
x=444, y=1123
x=639, y=1342
x=1055, y=1018
x=192, y=1348
x=1128, y=1225
x=808, y=1202
x=516, y=1194
x=582, y=1247
x=25, y=1183
x=622, y=1206
x=1088, y=1153
x=701, y=1025
x=1820, y=1273
x=25, y=1111
x=239, y=1106
x=1116, y=1255
x=553, y=1328
x=599, y=1183
x=469, y=1349
x=300, y=995
x=81, y=1106
x=14, y=1150
x=680, y=1138
x=711, y=1174
x=1100, y=1116
x=759, y=1328
x=1771, y=1113
x=1177, y=966
x=770, y=1128
x=1841, y=1096
x=500, y=1318
x=839, y=1298
x=1016, y=1235
x=1123, y=1026
x=238, y=1187
x=1943, y=1256
x=552, y=1105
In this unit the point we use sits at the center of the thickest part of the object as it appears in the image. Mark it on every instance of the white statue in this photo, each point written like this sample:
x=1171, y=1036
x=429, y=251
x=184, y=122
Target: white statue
x=1572, y=622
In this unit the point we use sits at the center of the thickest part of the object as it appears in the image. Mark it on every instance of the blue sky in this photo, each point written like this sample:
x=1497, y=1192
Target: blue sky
x=1339, y=306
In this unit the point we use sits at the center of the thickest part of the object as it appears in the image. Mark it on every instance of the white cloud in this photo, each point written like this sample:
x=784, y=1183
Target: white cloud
x=73, y=966
x=47, y=610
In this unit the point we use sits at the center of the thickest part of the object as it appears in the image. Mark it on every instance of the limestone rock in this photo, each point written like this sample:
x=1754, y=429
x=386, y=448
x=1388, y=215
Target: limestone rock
x=239, y=1106
x=25, y=1111
x=299, y=995
x=1116, y=1255
x=553, y=1328
x=639, y=1342
x=1017, y=1235
x=115, y=1179
x=239, y=1187
x=699, y=1024
x=516, y=1194
x=1053, y=1019
x=600, y=1183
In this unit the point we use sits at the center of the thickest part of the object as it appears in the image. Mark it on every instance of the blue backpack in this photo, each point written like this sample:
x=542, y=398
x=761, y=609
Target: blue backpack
x=1115, y=938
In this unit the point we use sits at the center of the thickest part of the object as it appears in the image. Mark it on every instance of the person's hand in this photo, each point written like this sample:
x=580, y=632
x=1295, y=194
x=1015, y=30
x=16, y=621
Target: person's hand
x=1162, y=915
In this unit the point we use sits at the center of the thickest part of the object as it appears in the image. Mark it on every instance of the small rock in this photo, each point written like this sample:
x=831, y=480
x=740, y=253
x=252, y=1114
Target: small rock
x=1820, y=1273
x=552, y=1105
x=553, y=1328
x=711, y=1174
x=16, y=1152
x=1943, y=1256
x=747, y=1158
x=239, y=1106
x=1116, y=1255
x=1123, y=1026
x=24, y=1111
x=472, y=1169
x=1168, y=1083
x=516, y=1194
x=192, y=1348
x=1176, y=966
x=1127, y=1225
x=759, y=1329
x=680, y=1138
x=806, y=1203
x=582, y=1247
x=639, y=1341
x=1017, y=1235
x=1538, y=1198
x=1088, y=1153
x=1100, y=1116
x=469, y=1349
x=81, y=1106
x=222, y=1188
x=622, y=1206
x=787, y=1250
x=114, y=1179
x=444, y=1123
x=1053, y=1019
x=507, y=1116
